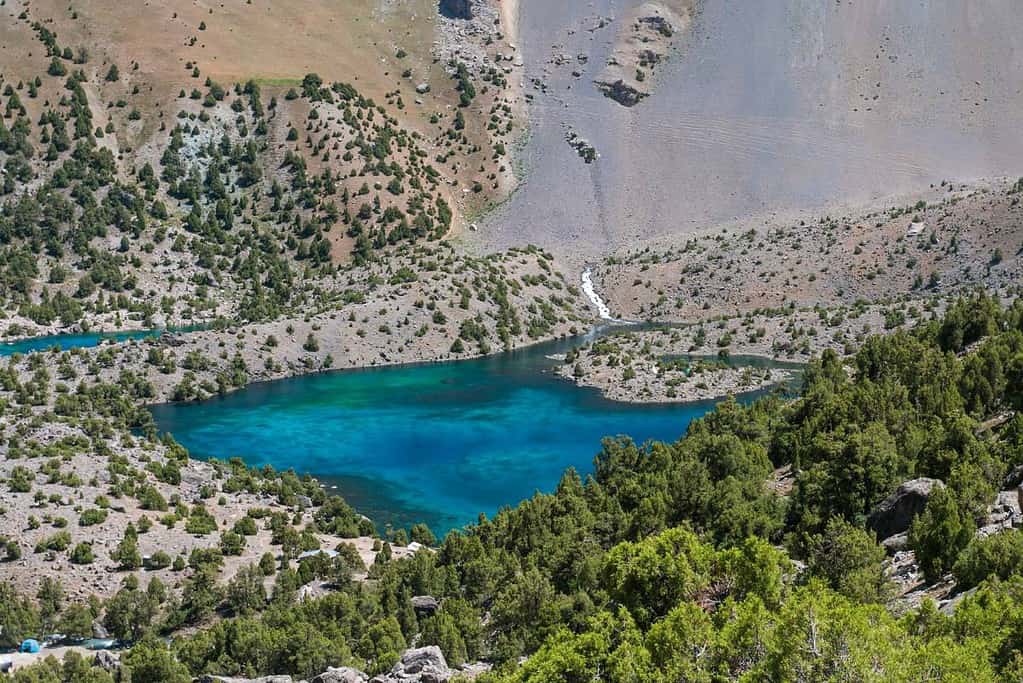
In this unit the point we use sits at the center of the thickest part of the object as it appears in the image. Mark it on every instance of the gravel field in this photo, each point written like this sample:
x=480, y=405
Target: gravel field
x=762, y=107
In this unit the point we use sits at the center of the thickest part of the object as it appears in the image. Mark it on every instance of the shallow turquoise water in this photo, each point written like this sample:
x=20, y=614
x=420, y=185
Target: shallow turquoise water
x=71, y=341
x=438, y=443
x=83, y=340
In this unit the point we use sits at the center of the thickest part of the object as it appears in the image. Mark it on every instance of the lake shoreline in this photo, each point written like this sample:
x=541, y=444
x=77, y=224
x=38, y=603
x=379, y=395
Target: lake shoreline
x=102, y=328
x=729, y=385
x=653, y=385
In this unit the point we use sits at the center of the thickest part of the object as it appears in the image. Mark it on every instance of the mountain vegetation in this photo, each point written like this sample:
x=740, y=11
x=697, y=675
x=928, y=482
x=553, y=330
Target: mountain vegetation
x=310, y=220
x=672, y=561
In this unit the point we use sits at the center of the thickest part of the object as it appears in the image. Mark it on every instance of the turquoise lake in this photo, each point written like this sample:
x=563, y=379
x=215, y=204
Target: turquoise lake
x=436, y=443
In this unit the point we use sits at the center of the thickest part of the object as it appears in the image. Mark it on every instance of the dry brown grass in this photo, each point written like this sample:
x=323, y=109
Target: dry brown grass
x=277, y=44
x=156, y=46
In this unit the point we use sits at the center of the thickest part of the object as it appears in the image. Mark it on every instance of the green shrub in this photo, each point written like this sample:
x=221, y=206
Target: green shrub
x=92, y=516
x=58, y=542
x=82, y=554
x=159, y=560
x=939, y=533
x=200, y=522
x=999, y=554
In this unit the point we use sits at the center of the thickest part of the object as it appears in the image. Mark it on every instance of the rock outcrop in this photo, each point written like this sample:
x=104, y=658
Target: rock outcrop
x=421, y=665
x=644, y=41
x=344, y=674
x=659, y=24
x=99, y=631
x=621, y=92
x=896, y=543
x=425, y=605
x=418, y=665
x=228, y=679
x=1005, y=513
x=1014, y=478
x=106, y=660
x=896, y=512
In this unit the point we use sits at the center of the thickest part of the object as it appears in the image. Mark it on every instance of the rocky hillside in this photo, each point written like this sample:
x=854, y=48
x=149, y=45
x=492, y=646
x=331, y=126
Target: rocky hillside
x=944, y=243
x=150, y=190
x=875, y=517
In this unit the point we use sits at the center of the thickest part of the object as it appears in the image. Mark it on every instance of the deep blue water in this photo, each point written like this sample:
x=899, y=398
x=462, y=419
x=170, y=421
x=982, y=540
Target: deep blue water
x=438, y=443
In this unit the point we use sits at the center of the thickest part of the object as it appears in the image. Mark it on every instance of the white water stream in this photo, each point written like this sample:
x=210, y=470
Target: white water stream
x=591, y=293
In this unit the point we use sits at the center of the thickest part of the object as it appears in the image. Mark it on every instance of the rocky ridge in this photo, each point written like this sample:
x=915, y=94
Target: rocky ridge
x=416, y=665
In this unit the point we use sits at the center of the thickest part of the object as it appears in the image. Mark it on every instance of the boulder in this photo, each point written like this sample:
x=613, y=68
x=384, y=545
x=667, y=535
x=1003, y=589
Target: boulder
x=423, y=88
x=1014, y=478
x=419, y=665
x=896, y=512
x=1004, y=513
x=1006, y=501
x=948, y=607
x=344, y=674
x=896, y=543
x=659, y=24
x=171, y=339
x=422, y=658
x=99, y=631
x=303, y=501
x=106, y=660
x=425, y=604
x=209, y=678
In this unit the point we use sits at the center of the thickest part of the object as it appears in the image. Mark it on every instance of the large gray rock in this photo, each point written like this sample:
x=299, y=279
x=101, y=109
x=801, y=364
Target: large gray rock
x=895, y=543
x=659, y=24
x=419, y=665
x=344, y=674
x=896, y=512
x=1014, y=478
x=422, y=659
x=425, y=604
x=99, y=631
x=106, y=660
x=208, y=678
x=1004, y=513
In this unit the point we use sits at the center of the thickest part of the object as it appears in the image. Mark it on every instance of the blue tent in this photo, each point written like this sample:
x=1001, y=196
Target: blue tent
x=29, y=645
